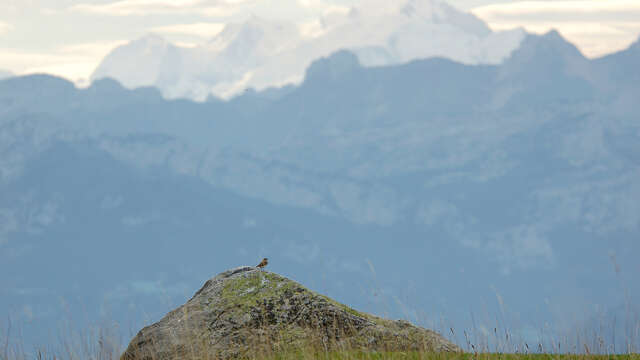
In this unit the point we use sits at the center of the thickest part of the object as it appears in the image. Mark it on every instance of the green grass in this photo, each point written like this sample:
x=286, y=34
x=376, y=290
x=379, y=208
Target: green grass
x=99, y=347
x=355, y=355
x=248, y=290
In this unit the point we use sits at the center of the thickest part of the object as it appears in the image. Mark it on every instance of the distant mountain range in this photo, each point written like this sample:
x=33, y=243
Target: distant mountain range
x=423, y=190
x=5, y=74
x=260, y=53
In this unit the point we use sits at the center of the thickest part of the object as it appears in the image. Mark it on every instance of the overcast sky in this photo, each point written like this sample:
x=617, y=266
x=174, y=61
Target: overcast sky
x=70, y=37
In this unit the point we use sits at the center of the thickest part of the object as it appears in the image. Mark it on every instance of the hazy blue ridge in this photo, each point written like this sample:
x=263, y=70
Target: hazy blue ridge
x=482, y=195
x=5, y=74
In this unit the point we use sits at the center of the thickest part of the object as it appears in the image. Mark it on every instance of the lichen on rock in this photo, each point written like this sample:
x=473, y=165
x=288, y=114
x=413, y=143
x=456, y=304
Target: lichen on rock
x=248, y=312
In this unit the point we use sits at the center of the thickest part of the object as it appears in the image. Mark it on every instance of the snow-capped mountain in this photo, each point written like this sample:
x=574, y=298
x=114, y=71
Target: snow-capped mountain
x=261, y=53
x=145, y=61
x=415, y=29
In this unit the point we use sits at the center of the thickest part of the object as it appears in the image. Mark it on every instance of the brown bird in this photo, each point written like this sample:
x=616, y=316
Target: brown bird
x=263, y=263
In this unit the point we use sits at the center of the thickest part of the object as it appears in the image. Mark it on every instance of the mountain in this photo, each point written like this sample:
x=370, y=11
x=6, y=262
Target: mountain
x=5, y=74
x=219, y=66
x=620, y=65
x=146, y=61
x=259, y=53
x=416, y=29
x=548, y=68
x=515, y=182
x=620, y=74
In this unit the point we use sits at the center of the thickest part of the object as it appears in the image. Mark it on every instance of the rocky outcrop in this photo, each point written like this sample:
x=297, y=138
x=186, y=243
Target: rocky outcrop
x=248, y=312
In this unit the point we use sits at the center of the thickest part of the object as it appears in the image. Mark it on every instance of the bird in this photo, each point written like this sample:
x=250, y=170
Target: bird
x=263, y=263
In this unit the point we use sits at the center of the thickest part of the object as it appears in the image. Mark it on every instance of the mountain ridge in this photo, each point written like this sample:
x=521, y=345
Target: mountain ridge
x=5, y=74
x=276, y=53
x=408, y=169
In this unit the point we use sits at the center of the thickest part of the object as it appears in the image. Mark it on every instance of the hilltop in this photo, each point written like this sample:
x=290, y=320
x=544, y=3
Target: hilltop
x=246, y=311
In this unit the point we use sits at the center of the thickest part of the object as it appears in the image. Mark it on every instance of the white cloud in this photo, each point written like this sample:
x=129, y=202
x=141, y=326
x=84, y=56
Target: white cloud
x=139, y=7
x=75, y=62
x=597, y=27
x=217, y=11
x=92, y=49
x=203, y=30
x=4, y=28
x=563, y=7
x=322, y=7
x=312, y=29
x=212, y=8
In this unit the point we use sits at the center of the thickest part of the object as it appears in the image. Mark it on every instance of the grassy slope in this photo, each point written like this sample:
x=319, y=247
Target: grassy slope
x=347, y=355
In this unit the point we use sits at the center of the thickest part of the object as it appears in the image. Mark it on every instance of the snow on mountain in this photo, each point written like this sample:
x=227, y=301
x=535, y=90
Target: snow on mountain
x=262, y=53
x=150, y=60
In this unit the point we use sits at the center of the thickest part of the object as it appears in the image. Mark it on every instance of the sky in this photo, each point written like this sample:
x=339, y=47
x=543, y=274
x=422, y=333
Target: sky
x=69, y=37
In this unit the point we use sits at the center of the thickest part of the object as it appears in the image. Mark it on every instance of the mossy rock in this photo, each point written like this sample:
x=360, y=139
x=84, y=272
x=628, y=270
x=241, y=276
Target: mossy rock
x=246, y=312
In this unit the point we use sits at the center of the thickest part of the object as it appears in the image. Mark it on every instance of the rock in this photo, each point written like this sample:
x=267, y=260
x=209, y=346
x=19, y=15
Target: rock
x=248, y=312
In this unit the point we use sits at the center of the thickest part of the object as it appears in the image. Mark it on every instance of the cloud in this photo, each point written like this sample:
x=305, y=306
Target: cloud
x=4, y=28
x=91, y=49
x=75, y=62
x=203, y=30
x=219, y=8
x=562, y=8
x=139, y=7
x=597, y=27
x=213, y=8
x=217, y=11
x=322, y=7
